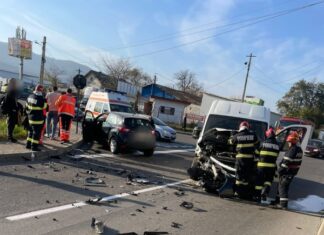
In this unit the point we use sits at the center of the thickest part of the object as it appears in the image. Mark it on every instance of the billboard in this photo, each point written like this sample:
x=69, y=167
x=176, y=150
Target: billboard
x=20, y=48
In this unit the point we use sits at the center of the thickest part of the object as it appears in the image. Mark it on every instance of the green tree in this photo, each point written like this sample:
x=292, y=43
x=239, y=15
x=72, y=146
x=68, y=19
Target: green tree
x=304, y=100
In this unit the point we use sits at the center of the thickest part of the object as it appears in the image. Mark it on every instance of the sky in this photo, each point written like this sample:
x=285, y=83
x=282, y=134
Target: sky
x=211, y=38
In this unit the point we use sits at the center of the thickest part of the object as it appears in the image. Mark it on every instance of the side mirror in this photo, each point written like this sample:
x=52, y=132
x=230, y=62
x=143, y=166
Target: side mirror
x=196, y=132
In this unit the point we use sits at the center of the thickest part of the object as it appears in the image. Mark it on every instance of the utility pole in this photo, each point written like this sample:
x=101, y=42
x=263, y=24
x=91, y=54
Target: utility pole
x=155, y=79
x=247, y=75
x=43, y=60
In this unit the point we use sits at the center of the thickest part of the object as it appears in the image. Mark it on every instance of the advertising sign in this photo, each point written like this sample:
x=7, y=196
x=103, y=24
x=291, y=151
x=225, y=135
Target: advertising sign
x=20, y=48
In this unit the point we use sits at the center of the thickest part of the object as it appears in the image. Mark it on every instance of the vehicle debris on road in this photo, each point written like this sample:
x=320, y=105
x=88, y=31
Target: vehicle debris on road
x=187, y=205
x=94, y=181
x=176, y=225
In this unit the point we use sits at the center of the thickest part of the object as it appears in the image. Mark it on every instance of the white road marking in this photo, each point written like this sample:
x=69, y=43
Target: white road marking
x=101, y=155
x=80, y=204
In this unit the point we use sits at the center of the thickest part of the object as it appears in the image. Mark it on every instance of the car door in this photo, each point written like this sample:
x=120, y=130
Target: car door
x=87, y=126
x=305, y=132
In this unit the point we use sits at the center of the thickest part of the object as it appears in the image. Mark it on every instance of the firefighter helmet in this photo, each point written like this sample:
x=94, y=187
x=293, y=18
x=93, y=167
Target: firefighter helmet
x=293, y=137
x=244, y=126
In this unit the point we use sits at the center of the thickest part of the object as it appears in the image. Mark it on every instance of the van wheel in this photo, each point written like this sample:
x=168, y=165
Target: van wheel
x=148, y=153
x=113, y=145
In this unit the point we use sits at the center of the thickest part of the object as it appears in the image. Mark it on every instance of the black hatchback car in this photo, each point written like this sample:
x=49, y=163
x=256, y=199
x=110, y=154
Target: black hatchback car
x=120, y=131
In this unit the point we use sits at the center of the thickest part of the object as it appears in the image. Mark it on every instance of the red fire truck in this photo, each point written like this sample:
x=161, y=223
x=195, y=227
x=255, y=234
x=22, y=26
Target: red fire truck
x=287, y=121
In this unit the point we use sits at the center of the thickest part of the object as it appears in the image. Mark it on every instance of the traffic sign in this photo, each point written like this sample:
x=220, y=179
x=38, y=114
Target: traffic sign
x=79, y=81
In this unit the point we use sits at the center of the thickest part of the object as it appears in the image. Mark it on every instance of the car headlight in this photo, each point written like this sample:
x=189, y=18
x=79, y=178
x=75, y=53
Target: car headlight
x=165, y=132
x=316, y=150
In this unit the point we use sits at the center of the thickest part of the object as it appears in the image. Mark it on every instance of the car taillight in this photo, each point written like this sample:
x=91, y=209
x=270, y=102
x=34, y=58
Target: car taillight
x=123, y=130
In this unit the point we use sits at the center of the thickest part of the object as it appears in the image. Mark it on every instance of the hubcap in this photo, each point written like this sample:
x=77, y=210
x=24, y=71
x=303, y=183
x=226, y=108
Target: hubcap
x=113, y=145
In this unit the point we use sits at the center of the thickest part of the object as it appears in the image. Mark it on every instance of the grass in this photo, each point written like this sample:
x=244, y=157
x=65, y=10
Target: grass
x=19, y=132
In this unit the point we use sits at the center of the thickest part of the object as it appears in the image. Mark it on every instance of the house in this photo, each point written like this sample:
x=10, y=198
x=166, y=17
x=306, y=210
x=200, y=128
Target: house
x=166, y=103
x=99, y=80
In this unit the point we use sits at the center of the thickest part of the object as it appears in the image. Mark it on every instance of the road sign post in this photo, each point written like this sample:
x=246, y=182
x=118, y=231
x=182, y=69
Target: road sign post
x=80, y=82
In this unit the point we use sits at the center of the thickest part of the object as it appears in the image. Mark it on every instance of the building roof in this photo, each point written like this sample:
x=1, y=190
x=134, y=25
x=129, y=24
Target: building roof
x=220, y=97
x=181, y=96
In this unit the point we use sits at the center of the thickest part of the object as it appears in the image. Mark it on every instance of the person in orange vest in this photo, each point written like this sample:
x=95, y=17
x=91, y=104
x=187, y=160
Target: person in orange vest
x=66, y=111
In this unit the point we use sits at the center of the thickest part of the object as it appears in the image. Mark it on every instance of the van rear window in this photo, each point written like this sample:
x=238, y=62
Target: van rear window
x=120, y=108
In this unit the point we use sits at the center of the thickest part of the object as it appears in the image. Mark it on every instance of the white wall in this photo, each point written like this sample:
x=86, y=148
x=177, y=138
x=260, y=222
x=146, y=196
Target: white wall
x=206, y=103
x=130, y=89
x=178, y=114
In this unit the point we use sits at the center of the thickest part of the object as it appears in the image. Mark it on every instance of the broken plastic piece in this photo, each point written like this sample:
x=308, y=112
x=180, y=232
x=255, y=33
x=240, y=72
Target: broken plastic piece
x=187, y=205
x=176, y=225
x=94, y=181
x=99, y=226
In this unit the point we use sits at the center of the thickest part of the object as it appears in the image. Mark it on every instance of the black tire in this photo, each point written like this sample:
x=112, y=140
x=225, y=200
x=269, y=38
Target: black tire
x=148, y=153
x=113, y=145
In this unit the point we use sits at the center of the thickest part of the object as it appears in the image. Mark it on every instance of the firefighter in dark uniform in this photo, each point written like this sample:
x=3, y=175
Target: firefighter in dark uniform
x=35, y=106
x=266, y=166
x=246, y=143
x=288, y=168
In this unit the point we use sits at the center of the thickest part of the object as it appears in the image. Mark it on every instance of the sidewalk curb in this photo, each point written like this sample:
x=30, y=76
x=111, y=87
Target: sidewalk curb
x=42, y=154
x=183, y=132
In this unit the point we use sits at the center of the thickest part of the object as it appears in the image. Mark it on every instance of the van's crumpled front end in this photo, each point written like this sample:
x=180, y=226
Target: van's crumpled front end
x=214, y=163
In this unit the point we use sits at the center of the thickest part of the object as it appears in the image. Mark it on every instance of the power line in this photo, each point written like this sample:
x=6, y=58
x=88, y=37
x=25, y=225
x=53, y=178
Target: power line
x=227, y=79
x=166, y=37
x=231, y=30
x=266, y=85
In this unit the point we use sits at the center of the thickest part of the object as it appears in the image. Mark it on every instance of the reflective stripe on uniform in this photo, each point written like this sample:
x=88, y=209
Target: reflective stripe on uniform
x=265, y=164
x=268, y=153
x=257, y=152
x=241, y=155
x=34, y=107
x=267, y=183
x=258, y=187
x=292, y=160
x=68, y=102
x=244, y=145
x=283, y=199
x=32, y=140
x=31, y=122
x=238, y=182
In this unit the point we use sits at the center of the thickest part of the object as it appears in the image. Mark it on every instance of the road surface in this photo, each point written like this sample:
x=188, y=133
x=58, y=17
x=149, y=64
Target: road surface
x=48, y=197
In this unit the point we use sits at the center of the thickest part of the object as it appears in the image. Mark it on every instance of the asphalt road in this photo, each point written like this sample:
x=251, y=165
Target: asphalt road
x=49, y=197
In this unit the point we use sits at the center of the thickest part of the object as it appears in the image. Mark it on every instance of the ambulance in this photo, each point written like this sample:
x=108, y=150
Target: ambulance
x=106, y=102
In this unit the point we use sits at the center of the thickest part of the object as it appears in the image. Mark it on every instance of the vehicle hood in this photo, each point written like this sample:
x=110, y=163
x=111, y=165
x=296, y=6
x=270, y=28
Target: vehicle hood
x=165, y=128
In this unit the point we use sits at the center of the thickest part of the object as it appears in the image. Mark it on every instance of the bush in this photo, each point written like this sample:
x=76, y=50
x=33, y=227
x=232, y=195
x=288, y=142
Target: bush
x=19, y=131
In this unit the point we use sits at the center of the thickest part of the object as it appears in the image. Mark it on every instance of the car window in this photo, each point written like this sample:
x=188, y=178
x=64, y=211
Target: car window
x=105, y=108
x=121, y=108
x=112, y=119
x=159, y=122
x=133, y=123
x=98, y=107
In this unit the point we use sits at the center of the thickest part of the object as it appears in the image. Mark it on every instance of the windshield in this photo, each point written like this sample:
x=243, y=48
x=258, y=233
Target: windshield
x=232, y=123
x=315, y=143
x=159, y=122
x=288, y=123
x=121, y=108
